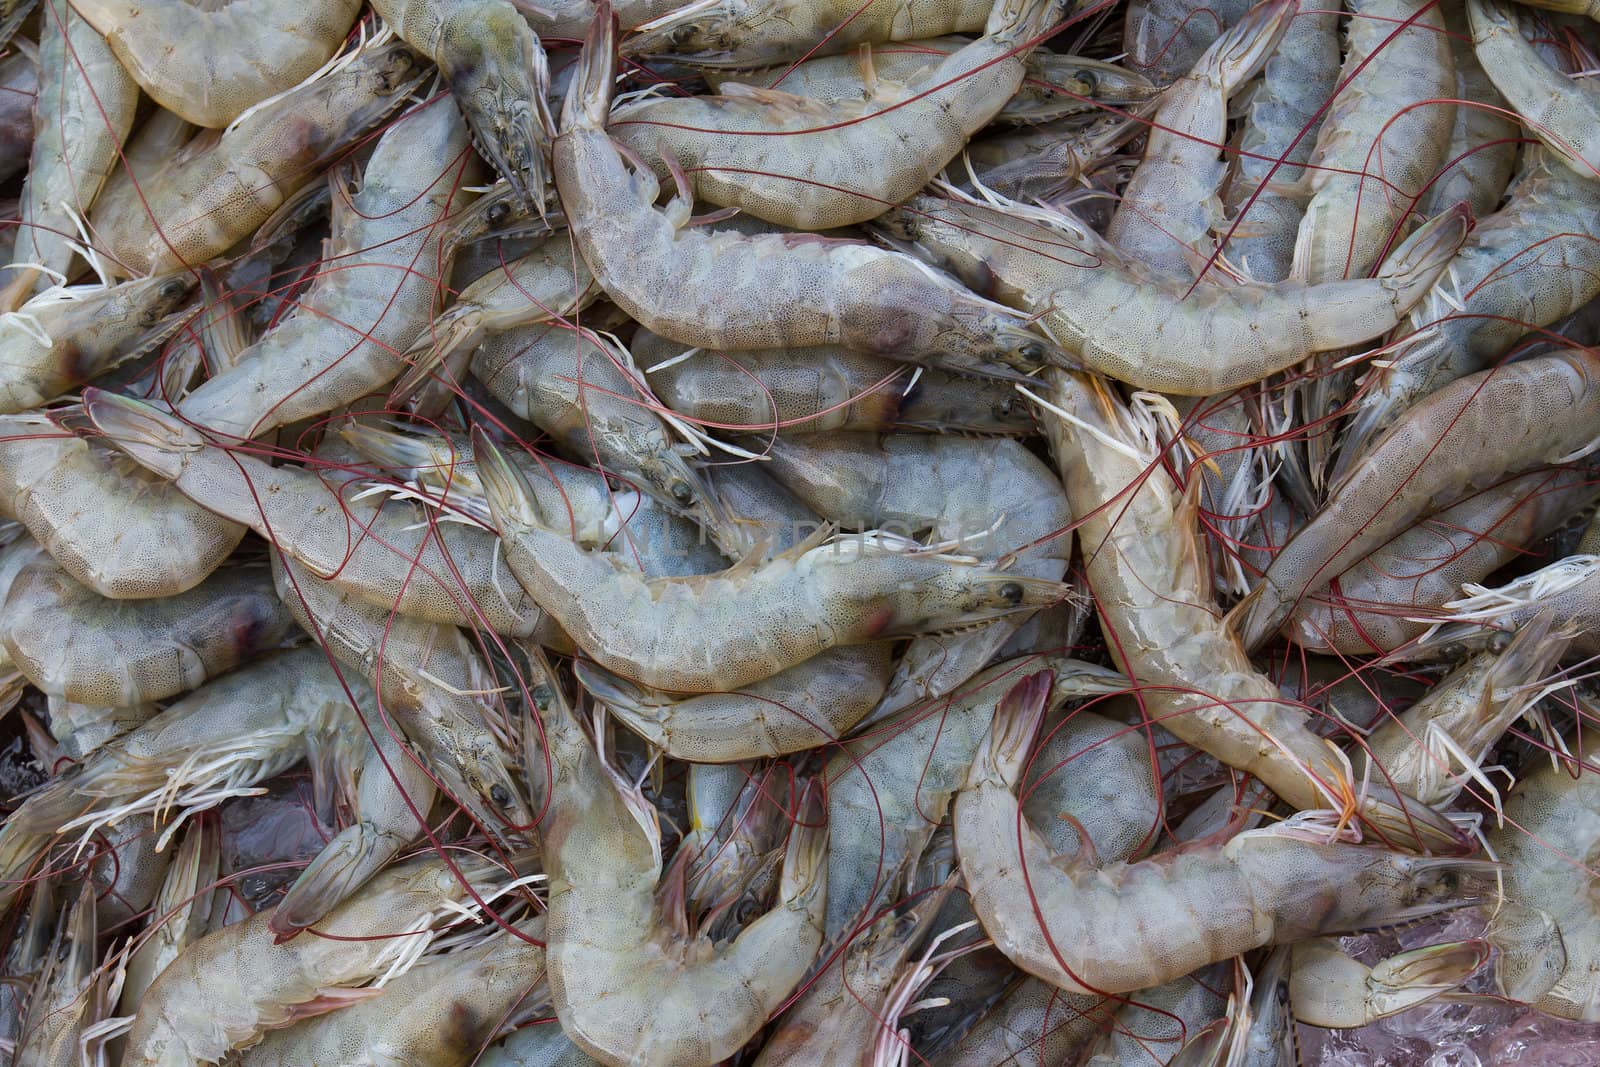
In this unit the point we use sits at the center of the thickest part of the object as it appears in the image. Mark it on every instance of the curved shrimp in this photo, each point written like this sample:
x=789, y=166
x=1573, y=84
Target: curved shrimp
x=627, y=988
x=1385, y=600
x=390, y=244
x=236, y=54
x=497, y=72
x=236, y=983
x=219, y=188
x=71, y=642
x=65, y=337
x=1055, y=87
x=1559, y=110
x=441, y=572
x=1284, y=116
x=1170, y=206
x=1528, y=265
x=798, y=161
x=756, y=33
x=719, y=632
x=1468, y=434
x=439, y=1013
x=993, y=499
x=726, y=291
x=117, y=529
x=1155, y=598
x=1123, y=320
x=1382, y=139
x=813, y=703
x=82, y=115
x=814, y=390
x=1129, y=926
x=437, y=689
x=888, y=790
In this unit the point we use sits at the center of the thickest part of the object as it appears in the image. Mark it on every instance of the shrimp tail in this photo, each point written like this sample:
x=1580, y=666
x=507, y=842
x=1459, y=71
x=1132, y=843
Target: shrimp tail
x=1416, y=266
x=1330, y=989
x=1016, y=720
x=343, y=865
x=454, y=333
x=511, y=500
x=157, y=439
x=588, y=102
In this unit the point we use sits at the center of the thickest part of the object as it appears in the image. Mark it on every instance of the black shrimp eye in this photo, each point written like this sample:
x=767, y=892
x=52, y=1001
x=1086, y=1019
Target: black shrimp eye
x=173, y=289
x=1011, y=593
x=500, y=795
x=682, y=35
x=682, y=493
x=498, y=213
x=1033, y=352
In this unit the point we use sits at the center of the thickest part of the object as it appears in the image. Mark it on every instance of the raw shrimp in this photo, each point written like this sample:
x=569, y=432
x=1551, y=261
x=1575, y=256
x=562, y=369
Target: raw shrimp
x=1461, y=719
x=1523, y=268
x=439, y=1013
x=627, y=987
x=116, y=528
x=1284, y=116
x=221, y=186
x=1154, y=595
x=235, y=55
x=1569, y=590
x=1129, y=926
x=65, y=337
x=1170, y=206
x=733, y=844
x=434, y=686
x=1561, y=111
x=813, y=390
x=1384, y=600
x=813, y=165
x=1164, y=38
x=241, y=729
x=582, y=389
x=1545, y=931
x=389, y=251
x=1382, y=140
x=444, y=572
x=1467, y=435
x=813, y=703
x=74, y=643
x=1123, y=320
x=754, y=33
x=993, y=499
x=498, y=74
x=726, y=291
x=719, y=632
x=1328, y=988
x=81, y=116
x=1055, y=86
x=234, y=984
x=1482, y=152
x=888, y=790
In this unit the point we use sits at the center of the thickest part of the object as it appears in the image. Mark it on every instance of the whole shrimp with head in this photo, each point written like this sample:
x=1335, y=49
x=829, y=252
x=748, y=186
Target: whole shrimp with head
x=723, y=290
x=628, y=988
x=722, y=631
x=1133, y=925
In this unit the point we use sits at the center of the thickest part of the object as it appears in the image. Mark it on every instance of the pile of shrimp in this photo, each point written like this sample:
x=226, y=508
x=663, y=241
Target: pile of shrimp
x=799, y=532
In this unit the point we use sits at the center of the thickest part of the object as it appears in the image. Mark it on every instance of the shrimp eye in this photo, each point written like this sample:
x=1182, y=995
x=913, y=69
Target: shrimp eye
x=172, y=289
x=682, y=35
x=1089, y=82
x=500, y=795
x=541, y=697
x=1011, y=593
x=682, y=493
x=1032, y=351
x=499, y=213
